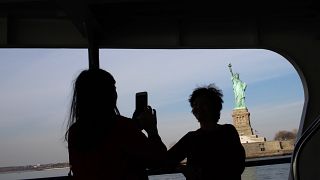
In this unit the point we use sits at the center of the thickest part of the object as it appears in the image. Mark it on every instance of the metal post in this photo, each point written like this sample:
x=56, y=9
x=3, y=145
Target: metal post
x=93, y=54
x=93, y=48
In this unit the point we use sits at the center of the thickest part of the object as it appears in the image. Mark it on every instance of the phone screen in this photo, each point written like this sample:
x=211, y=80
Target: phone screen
x=141, y=100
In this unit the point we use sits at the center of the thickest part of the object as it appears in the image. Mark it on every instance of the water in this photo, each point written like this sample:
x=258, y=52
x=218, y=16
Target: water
x=274, y=172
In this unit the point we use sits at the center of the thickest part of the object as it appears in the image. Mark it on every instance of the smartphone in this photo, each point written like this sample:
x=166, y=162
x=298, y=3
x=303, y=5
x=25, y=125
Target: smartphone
x=141, y=101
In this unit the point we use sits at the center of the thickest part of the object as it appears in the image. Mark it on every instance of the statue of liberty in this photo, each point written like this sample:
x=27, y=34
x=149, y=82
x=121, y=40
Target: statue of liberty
x=239, y=88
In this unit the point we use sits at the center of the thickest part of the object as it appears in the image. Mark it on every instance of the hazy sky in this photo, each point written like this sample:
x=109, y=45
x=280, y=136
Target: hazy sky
x=36, y=86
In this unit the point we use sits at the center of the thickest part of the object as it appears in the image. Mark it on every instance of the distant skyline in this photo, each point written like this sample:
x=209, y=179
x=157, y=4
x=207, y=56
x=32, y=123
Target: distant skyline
x=36, y=87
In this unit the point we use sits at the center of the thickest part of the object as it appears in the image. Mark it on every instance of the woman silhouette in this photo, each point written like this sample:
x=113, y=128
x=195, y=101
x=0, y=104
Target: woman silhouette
x=103, y=144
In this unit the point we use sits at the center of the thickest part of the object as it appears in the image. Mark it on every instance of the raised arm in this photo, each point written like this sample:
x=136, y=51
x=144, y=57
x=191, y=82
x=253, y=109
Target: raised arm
x=230, y=69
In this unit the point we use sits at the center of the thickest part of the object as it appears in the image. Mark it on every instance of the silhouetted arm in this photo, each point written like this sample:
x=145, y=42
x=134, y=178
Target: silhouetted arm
x=237, y=155
x=178, y=152
x=148, y=151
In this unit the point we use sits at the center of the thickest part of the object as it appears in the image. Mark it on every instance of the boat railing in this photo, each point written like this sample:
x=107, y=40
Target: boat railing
x=180, y=168
x=300, y=144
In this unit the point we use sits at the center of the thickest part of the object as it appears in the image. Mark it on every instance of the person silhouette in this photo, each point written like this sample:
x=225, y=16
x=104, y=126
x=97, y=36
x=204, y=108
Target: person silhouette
x=102, y=144
x=213, y=151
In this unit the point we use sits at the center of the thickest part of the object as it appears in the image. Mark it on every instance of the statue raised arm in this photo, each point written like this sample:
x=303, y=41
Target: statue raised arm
x=230, y=69
x=239, y=88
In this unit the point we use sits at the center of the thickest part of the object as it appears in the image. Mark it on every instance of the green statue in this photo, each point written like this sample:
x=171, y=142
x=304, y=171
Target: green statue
x=238, y=89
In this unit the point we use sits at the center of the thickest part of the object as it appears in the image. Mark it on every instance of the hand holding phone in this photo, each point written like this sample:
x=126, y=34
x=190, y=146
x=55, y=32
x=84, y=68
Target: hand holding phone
x=141, y=104
x=148, y=121
x=145, y=116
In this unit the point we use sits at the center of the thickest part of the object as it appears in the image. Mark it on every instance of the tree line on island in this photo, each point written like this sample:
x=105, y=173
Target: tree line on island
x=284, y=135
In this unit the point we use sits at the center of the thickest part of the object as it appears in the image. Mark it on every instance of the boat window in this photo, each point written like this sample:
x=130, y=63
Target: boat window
x=273, y=98
x=36, y=86
x=34, y=101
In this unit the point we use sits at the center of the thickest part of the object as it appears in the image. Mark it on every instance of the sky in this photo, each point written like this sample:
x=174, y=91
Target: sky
x=36, y=90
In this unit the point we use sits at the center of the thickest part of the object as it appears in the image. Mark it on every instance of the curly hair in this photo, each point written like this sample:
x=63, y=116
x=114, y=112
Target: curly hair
x=213, y=94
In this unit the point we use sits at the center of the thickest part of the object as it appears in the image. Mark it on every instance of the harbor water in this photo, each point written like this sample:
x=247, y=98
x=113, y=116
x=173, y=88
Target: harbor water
x=274, y=172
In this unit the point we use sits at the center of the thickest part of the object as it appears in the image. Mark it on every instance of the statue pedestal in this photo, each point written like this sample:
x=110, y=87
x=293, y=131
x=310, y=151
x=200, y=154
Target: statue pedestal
x=252, y=139
x=241, y=121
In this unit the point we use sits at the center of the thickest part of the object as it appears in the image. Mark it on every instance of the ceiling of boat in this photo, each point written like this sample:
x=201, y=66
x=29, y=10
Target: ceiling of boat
x=149, y=23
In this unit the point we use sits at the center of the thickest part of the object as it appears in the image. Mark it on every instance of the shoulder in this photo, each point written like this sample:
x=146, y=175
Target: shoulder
x=125, y=123
x=188, y=139
x=190, y=135
x=123, y=119
x=128, y=127
x=229, y=128
x=193, y=133
x=73, y=135
x=73, y=130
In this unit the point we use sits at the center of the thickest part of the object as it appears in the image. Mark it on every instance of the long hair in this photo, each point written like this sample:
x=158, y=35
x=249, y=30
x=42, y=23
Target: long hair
x=93, y=106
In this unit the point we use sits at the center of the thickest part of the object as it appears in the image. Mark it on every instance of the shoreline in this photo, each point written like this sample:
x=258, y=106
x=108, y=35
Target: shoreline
x=38, y=167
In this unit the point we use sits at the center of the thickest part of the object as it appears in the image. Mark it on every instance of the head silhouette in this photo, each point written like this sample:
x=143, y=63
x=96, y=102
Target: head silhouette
x=206, y=102
x=93, y=104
